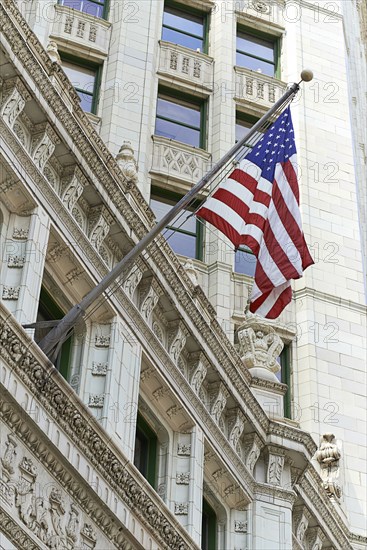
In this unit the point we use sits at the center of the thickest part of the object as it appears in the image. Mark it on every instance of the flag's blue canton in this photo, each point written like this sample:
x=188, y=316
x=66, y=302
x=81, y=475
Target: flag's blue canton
x=277, y=145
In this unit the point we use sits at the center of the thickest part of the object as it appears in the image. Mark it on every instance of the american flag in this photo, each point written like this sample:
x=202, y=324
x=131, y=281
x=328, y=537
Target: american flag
x=258, y=206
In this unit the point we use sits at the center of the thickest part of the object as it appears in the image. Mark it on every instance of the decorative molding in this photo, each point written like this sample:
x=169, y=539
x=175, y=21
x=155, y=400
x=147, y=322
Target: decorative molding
x=174, y=410
x=252, y=447
x=133, y=279
x=236, y=425
x=72, y=185
x=127, y=163
x=301, y=519
x=177, y=339
x=44, y=141
x=260, y=345
x=99, y=222
x=315, y=538
x=14, y=97
x=198, y=364
x=219, y=395
x=150, y=293
x=160, y=392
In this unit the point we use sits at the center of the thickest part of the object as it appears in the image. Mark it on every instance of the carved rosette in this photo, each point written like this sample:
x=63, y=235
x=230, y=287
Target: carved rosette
x=14, y=98
x=260, y=345
x=328, y=456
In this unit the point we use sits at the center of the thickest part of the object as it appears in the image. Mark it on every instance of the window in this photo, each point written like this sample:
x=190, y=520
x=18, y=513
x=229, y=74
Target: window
x=244, y=123
x=244, y=261
x=186, y=28
x=185, y=236
x=180, y=119
x=48, y=310
x=256, y=53
x=208, y=528
x=98, y=8
x=145, y=454
x=284, y=376
x=84, y=78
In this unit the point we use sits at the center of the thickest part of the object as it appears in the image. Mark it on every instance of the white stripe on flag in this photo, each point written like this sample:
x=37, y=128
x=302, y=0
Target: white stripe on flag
x=233, y=219
x=269, y=266
x=271, y=300
x=245, y=196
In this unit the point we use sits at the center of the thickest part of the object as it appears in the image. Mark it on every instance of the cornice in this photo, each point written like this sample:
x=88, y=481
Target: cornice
x=293, y=434
x=54, y=394
x=329, y=298
x=309, y=487
x=267, y=491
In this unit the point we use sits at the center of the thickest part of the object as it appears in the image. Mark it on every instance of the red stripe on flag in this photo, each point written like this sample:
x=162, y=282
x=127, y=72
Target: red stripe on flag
x=291, y=176
x=278, y=256
x=251, y=184
x=242, y=209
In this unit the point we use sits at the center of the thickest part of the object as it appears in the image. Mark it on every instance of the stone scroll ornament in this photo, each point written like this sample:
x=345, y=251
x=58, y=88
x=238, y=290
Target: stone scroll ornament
x=328, y=456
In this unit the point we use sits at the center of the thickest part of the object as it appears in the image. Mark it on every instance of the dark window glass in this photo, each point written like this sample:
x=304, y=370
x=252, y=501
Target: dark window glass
x=91, y=7
x=145, y=452
x=183, y=28
x=208, y=528
x=179, y=120
x=48, y=310
x=84, y=81
x=183, y=235
x=256, y=54
x=284, y=376
x=245, y=261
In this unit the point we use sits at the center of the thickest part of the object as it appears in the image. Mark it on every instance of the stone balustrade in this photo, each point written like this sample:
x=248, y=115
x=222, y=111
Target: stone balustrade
x=257, y=88
x=187, y=65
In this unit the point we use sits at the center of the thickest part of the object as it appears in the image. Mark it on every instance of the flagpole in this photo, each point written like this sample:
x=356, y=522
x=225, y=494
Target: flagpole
x=52, y=342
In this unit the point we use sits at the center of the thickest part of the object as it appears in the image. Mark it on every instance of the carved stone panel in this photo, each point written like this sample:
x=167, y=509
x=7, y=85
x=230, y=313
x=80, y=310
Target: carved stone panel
x=219, y=395
x=44, y=142
x=275, y=466
x=177, y=340
x=14, y=98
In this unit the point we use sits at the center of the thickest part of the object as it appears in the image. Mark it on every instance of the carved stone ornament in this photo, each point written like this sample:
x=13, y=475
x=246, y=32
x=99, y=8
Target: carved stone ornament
x=315, y=538
x=252, y=445
x=99, y=222
x=99, y=369
x=127, y=162
x=72, y=188
x=181, y=508
x=53, y=52
x=240, y=526
x=198, y=367
x=102, y=341
x=133, y=279
x=8, y=459
x=44, y=142
x=328, y=456
x=177, y=340
x=96, y=401
x=184, y=449
x=11, y=292
x=20, y=233
x=149, y=296
x=259, y=344
x=275, y=466
x=16, y=261
x=15, y=96
x=182, y=478
x=235, y=428
x=219, y=395
x=191, y=272
x=261, y=6
x=301, y=518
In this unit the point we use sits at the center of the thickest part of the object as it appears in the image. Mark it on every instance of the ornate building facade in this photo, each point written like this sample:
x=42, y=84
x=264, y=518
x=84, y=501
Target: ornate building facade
x=170, y=419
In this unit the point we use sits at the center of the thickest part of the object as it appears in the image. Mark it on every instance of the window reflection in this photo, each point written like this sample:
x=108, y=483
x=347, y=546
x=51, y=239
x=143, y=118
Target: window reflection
x=256, y=54
x=183, y=28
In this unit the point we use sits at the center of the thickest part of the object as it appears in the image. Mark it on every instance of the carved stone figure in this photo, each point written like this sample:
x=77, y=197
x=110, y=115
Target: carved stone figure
x=328, y=457
x=127, y=163
x=53, y=52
